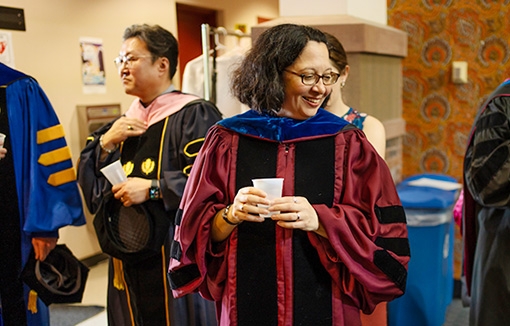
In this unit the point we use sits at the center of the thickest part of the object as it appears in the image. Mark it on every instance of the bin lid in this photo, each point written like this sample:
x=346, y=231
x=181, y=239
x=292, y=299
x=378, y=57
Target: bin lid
x=428, y=191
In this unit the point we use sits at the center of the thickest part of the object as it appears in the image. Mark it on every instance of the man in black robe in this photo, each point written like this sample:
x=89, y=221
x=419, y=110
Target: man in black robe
x=156, y=141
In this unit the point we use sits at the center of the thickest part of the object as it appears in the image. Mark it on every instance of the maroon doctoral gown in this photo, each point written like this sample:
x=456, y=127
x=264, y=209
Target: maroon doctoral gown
x=263, y=274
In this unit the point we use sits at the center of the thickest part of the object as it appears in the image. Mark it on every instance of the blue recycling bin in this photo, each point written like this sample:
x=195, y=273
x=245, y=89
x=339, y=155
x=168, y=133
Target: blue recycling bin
x=429, y=288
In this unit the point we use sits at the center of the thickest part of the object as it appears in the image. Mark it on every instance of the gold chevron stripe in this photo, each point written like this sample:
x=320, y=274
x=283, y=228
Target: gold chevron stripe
x=49, y=134
x=55, y=156
x=64, y=176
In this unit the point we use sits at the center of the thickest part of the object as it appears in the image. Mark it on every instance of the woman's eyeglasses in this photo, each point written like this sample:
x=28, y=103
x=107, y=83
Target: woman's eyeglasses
x=312, y=79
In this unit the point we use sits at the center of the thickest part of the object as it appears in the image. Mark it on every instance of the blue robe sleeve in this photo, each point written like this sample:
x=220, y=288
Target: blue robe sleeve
x=47, y=190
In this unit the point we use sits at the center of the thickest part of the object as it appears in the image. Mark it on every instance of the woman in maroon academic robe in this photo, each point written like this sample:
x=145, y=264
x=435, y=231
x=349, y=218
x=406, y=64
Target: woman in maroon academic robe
x=339, y=240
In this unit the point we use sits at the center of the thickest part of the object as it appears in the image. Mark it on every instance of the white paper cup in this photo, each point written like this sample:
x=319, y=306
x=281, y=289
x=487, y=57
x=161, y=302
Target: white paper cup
x=273, y=188
x=2, y=139
x=114, y=173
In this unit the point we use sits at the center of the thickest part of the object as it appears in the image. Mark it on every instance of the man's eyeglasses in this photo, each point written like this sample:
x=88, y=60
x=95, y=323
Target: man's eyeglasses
x=127, y=59
x=312, y=79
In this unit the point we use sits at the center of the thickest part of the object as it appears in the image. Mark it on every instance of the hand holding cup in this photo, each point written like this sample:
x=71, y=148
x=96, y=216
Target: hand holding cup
x=272, y=187
x=114, y=173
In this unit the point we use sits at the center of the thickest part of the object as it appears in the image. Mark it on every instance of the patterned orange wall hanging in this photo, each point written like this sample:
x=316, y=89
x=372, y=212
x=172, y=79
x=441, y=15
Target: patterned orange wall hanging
x=438, y=112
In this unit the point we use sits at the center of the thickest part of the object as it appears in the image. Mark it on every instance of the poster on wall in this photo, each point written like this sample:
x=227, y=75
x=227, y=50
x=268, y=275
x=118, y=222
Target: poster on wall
x=6, y=50
x=92, y=67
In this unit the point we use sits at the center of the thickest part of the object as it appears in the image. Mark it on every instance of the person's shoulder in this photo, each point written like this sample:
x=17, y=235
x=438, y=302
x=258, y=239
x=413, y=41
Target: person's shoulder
x=221, y=136
x=499, y=99
x=504, y=85
x=376, y=134
x=194, y=105
x=200, y=102
x=501, y=92
x=331, y=121
x=372, y=122
x=188, y=99
x=9, y=75
x=203, y=104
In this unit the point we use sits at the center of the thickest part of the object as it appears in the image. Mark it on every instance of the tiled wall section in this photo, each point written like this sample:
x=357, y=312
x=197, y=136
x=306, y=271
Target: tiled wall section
x=439, y=113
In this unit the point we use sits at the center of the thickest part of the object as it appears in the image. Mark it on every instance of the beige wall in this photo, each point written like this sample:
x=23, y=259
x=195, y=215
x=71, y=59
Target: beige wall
x=354, y=8
x=49, y=50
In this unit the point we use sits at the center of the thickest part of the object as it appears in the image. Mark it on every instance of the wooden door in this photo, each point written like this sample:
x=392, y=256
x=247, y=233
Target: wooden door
x=189, y=22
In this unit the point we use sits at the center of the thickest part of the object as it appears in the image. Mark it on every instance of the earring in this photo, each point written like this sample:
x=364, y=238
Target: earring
x=342, y=84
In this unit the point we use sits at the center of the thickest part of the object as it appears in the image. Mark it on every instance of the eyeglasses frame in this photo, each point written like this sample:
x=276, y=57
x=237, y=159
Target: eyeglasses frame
x=317, y=76
x=127, y=59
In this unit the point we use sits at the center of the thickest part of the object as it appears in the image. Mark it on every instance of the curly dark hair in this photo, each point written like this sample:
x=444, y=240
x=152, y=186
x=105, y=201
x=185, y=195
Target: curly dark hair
x=160, y=43
x=336, y=53
x=258, y=80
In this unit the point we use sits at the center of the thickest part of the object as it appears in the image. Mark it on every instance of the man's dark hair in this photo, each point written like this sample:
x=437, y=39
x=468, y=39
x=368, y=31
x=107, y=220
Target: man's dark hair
x=159, y=41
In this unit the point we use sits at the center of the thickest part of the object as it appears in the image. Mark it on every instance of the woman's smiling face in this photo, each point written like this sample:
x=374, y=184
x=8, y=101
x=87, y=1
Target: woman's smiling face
x=301, y=101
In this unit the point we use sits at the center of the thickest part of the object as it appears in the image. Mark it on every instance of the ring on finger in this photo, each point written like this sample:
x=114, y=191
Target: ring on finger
x=295, y=200
x=130, y=127
x=297, y=216
x=241, y=207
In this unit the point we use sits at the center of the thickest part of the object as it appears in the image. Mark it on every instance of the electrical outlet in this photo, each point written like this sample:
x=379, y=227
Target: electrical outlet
x=460, y=72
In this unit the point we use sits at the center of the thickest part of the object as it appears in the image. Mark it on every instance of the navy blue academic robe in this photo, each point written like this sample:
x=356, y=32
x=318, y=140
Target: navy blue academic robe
x=38, y=193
